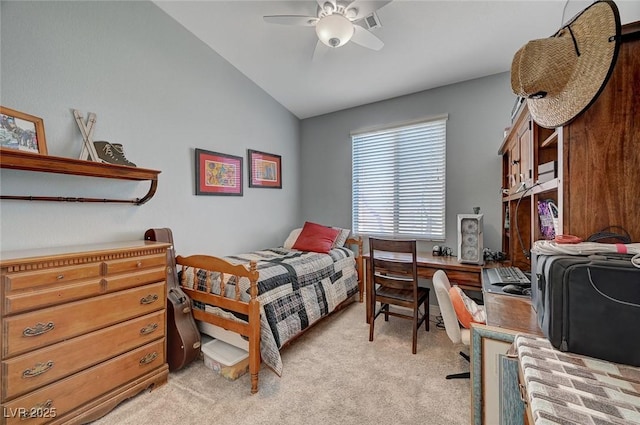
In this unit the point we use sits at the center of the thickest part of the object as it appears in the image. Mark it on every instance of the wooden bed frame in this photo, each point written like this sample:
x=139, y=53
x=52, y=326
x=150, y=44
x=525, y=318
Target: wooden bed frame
x=251, y=309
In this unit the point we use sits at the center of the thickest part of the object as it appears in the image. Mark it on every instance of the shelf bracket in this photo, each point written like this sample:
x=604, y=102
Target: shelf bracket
x=137, y=201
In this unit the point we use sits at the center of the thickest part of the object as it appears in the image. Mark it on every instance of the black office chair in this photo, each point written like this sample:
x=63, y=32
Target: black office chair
x=394, y=281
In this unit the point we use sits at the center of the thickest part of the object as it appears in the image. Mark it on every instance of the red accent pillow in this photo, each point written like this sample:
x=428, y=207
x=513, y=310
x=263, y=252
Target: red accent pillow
x=316, y=237
x=466, y=309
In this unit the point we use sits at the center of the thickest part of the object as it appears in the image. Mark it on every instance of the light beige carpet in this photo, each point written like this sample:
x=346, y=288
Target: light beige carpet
x=332, y=375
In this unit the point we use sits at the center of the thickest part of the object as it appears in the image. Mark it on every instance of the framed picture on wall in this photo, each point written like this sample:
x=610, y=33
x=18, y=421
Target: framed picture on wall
x=21, y=131
x=218, y=173
x=265, y=169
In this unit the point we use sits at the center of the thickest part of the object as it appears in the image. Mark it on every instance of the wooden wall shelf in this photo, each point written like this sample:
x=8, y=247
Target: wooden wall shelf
x=18, y=160
x=552, y=140
x=539, y=188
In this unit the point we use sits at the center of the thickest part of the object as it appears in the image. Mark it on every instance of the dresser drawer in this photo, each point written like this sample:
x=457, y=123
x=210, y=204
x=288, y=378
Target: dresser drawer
x=133, y=264
x=63, y=396
x=131, y=280
x=18, y=301
x=38, y=368
x=37, y=329
x=30, y=279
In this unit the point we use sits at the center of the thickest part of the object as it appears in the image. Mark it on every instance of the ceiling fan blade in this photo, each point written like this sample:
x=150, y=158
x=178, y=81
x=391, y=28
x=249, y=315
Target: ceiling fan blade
x=366, y=39
x=365, y=8
x=305, y=21
x=320, y=51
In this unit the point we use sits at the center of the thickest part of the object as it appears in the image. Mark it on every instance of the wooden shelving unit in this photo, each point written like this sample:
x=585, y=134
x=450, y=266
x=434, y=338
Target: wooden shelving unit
x=596, y=158
x=18, y=160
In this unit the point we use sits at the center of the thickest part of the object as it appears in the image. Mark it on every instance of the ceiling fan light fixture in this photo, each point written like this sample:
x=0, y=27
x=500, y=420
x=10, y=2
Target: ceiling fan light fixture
x=328, y=8
x=334, y=30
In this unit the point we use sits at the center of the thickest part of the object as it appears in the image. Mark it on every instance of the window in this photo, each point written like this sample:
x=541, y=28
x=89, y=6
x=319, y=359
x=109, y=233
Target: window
x=399, y=181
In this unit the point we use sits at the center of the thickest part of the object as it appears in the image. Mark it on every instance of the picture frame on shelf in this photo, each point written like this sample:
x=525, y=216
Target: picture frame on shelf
x=218, y=173
x=265, y=169
x=21, y=131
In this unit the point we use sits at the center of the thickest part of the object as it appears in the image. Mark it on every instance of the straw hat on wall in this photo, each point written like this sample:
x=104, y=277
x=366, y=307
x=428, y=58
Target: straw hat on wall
x=561, y=76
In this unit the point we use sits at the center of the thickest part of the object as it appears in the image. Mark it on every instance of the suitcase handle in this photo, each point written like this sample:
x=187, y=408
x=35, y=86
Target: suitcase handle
x=610, y=298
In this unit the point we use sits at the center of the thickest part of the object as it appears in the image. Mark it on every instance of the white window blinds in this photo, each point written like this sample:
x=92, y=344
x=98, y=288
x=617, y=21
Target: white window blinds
x=399, y=181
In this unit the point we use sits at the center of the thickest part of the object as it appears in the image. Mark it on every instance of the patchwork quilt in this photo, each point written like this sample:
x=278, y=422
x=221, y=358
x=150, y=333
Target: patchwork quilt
x=565, y=388
x=295, y=290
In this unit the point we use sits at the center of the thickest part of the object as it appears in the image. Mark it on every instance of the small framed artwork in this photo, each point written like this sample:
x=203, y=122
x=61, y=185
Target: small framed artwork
x=21, y=132
x=265, y=170
x=218, y=173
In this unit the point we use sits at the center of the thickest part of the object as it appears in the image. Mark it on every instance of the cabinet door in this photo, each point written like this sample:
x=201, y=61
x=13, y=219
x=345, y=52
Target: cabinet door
x=514, y=155
x=603, y=166
x=524, y=142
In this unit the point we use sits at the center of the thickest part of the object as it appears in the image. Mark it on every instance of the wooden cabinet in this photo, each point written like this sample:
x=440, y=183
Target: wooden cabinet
x=524, y=149
x=596, y=158
x=602, y=151
x=83, y=328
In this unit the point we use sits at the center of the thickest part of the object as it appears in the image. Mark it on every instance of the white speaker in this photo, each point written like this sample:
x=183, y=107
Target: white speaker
x=470, y=239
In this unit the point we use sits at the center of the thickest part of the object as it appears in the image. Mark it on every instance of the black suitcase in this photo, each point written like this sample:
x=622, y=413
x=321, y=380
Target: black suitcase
x=589, y=305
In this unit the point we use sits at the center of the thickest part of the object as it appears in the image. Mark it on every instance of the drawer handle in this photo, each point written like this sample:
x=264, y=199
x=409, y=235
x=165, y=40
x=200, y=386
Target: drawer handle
x=60, y=277
x=38, y=329
x=139, y=264
x=151, y=298
x=149, y=329
x=38, y=369
x=39, y=410
x=148, y=358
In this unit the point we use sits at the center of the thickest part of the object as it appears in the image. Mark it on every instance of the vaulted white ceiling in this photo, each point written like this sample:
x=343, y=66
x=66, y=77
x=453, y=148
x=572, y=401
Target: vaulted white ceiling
x=427, y=44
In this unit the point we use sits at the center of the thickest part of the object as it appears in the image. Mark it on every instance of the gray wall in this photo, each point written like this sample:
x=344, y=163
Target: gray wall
x=159, y=91
x=479, y=110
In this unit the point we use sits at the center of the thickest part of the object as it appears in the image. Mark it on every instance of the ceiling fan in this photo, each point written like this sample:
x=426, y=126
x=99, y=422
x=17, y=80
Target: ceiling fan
x=337, y=22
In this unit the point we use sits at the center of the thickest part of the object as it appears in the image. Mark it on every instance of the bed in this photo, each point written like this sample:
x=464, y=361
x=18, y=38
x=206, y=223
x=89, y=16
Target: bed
x=272, y=296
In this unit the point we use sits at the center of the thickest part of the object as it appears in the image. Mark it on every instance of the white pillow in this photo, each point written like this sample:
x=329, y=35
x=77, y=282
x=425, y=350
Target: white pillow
x=291, y=239
x=342, y=237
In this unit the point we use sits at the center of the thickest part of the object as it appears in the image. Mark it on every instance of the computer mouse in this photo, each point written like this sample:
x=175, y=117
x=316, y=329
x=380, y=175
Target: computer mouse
x=513, y=289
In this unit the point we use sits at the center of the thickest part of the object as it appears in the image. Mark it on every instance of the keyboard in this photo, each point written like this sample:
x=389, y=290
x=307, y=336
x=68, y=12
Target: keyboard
x=507, y=275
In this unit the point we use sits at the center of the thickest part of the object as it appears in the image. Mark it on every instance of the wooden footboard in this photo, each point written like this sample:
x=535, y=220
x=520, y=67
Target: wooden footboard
x=251, y=309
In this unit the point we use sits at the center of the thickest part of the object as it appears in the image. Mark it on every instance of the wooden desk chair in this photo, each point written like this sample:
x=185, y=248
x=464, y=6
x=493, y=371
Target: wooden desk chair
x=394, y=281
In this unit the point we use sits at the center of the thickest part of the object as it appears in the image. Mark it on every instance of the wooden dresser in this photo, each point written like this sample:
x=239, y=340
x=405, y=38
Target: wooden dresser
x=83, y=328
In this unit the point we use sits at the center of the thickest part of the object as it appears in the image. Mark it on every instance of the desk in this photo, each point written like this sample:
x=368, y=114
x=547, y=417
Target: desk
x=467, y=276
x=509, y=312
